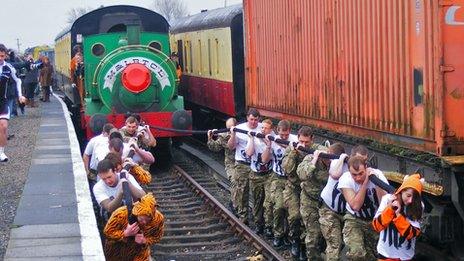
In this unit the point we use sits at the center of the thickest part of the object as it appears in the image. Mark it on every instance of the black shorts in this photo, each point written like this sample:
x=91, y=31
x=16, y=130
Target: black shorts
x=4, y=110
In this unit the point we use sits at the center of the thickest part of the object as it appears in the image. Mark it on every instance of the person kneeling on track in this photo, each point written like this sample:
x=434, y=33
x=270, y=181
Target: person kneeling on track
x=126, y=241
x=108, y=190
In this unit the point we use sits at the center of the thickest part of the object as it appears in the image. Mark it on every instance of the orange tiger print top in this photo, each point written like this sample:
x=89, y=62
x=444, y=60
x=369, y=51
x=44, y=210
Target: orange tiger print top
x=119, y=248
x=142, y=176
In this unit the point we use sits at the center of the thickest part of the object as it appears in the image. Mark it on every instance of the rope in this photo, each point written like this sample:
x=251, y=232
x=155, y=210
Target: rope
x=373, y=178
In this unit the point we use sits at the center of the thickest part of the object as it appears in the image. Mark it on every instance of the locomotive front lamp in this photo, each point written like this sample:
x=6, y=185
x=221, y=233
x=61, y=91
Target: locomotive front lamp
x=136, y=78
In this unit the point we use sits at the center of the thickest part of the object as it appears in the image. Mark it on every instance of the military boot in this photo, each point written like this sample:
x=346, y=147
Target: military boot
x=287, y=241
x=259, y=229
x=303, y=256
x=278, y=242
x=268, y=232
x=295, y=250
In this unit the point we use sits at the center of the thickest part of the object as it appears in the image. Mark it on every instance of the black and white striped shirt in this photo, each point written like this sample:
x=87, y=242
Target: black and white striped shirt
x=8, y=73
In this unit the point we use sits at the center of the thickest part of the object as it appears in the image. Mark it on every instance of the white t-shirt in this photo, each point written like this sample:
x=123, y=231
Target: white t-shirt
x=103, y=191
x=257, y=164
x=331, y=195
x=125, y=152
x=241, y=142
x=371, y=202
x=95, y=147
x=391, y=244
x=278, y=155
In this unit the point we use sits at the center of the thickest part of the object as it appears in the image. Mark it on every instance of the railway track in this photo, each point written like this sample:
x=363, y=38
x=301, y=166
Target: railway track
x=198, y=226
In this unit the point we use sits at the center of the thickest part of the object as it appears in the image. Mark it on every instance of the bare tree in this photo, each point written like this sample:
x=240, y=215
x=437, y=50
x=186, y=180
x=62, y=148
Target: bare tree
x=171, y=9
x=77, y=12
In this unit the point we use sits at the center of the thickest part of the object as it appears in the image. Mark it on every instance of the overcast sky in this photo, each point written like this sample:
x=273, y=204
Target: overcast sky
x=37, y=22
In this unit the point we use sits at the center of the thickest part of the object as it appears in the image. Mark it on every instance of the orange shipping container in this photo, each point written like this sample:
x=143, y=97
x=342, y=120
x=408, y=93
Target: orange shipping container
x=389, y=70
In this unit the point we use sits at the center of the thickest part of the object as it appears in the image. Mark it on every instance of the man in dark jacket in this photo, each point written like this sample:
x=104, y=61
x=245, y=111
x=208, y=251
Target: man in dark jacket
x=30, y=83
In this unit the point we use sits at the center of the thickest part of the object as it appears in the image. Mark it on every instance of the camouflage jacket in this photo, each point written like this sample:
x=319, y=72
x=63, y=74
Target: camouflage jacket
x=313, y=177
x=126, y=138
x=221, y=144
x=291, y=160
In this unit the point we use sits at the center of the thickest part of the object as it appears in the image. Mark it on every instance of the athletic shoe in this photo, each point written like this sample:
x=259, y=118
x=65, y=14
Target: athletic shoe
x=3, y=157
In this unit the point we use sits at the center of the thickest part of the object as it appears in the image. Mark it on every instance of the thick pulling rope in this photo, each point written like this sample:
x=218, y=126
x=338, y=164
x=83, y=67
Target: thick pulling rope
x=373, y=178
x=126, y=191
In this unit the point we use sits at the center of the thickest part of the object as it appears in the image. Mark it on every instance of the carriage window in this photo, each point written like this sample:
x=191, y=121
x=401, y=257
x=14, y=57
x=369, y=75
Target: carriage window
x=180, y=53
x=98, y=49
x=200, y=67
x=191, y=56
x=217, y=56
x=209, y=57
x=155, y=45
x=186, y=57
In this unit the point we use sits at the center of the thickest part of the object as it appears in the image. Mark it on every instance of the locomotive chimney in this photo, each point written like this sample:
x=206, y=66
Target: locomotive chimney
x=133, y=32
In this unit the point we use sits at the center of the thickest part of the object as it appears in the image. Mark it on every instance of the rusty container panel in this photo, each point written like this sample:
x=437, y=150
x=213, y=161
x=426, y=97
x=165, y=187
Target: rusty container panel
x=452, y=95
x=368, y=68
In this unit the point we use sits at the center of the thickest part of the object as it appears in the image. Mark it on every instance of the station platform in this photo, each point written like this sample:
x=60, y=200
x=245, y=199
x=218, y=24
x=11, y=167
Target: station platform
x=55, y=218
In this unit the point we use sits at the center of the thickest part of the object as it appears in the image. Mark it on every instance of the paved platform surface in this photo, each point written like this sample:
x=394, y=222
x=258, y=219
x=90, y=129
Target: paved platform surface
x=55, y=219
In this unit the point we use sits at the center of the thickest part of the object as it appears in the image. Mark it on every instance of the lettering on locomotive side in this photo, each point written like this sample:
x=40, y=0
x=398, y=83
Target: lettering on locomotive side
x=450, y=17
x=156, y=68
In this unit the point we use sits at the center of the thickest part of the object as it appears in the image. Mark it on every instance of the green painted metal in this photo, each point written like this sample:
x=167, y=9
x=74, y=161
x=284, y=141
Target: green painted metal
x=133, y=34
x=104, y=90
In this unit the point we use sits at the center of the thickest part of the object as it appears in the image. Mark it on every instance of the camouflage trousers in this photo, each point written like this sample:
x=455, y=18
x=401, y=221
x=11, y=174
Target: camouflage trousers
x=309, y=209
x=291, y=197
x=230, y=171
x=268, y=201
x=331, y=228
x=258, y=183
x=242, y=175
x=277, y=206
x=360, y=238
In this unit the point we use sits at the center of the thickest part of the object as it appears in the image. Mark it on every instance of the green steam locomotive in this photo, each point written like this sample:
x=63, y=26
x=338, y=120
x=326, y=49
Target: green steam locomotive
x=115, y=61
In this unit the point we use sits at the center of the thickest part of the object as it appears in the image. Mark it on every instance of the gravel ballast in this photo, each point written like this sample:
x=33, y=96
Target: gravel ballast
x=13, y=174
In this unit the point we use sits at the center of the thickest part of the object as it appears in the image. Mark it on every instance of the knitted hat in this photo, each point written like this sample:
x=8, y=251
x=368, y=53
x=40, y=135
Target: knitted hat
x=146, y=206
x=413, y=181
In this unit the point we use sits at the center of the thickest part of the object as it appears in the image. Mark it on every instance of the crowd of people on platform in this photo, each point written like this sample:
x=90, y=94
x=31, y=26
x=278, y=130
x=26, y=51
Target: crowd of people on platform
x=313, y=204
x=21, y=79
x=111, y=159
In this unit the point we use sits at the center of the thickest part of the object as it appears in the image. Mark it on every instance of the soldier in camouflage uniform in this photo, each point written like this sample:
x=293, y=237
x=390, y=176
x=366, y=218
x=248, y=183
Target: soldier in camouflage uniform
x=238, y=142
x=274, y=202
x=219, y=144
x=261, y=165
x=132, y=129
x=333, y=207
x=292, y=158
x=313, y=173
